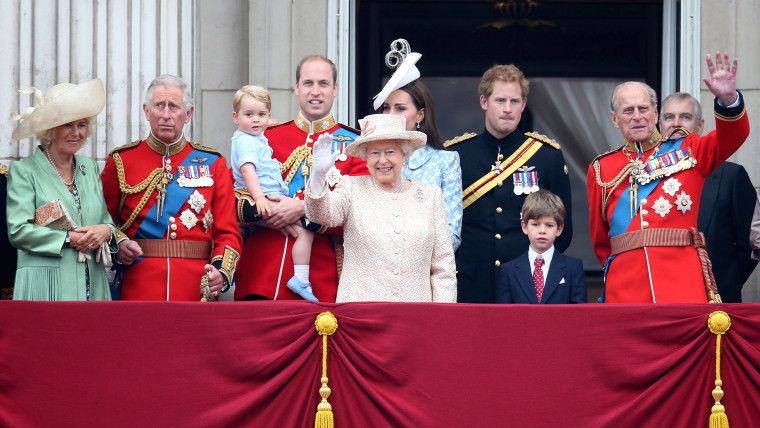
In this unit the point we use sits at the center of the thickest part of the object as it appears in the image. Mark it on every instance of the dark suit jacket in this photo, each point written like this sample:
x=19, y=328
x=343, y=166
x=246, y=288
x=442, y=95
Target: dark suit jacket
x=491, y=232
x=516, y=285
x=725, y=214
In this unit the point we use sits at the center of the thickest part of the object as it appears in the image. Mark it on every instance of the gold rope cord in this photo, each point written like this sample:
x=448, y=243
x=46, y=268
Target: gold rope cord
x=719, y=322
x=148, y=185
x=298, y=155
x=611, y=185
x=326, y=324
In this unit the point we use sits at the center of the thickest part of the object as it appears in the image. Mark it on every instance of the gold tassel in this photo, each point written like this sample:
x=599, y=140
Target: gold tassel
x=719, y=322
x=326, y=324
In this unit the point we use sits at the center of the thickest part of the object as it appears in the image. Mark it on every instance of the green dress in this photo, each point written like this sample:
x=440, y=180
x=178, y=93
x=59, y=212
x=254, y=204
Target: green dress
x=46, y=270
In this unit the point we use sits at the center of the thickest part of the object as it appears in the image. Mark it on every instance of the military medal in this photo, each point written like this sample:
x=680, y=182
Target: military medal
x=497, y=167
x=534, y=181
x=518, y=183
x=194, y=176
x=527, y=188
x=342, y=156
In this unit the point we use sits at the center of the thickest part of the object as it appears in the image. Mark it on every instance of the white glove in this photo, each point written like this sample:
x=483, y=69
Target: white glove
x=83, y=257
x=103, y=253
x=323, y=159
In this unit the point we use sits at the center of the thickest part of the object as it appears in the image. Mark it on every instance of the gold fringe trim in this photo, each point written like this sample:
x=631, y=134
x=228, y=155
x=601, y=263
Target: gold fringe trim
x=295, y=159
x=719, y=322
x=326, y=324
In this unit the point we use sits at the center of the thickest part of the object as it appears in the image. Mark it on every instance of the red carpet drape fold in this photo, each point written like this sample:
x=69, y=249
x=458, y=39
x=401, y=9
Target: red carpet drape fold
x=259, y=364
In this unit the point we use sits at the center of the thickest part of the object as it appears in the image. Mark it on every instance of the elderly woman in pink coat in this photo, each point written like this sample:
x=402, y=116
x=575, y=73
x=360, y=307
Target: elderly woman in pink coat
x=396, y=236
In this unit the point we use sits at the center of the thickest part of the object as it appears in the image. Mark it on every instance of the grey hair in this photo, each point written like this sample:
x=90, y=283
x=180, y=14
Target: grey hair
x=652, y=94
x=406, y=147
x=680, y=96
x=169, y=80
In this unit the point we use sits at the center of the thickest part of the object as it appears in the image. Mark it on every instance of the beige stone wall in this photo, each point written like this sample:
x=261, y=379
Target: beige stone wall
x=731, y=25
x=281, y=33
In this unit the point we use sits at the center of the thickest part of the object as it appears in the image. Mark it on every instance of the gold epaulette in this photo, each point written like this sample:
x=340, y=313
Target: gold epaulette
x=125, y=147
x=3, y=170
x=616, y=149
x=197, y=146
x=543, y=138
x=464, y=137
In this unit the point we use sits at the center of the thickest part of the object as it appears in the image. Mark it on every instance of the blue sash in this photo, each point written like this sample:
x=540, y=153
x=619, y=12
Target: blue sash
x=621, y=215
x=298, y=183
x=175, y=198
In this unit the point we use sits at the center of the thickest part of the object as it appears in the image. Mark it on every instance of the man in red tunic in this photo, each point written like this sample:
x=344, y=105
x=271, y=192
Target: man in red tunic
x=644, y=196
x=266, y=258
x=173, y=202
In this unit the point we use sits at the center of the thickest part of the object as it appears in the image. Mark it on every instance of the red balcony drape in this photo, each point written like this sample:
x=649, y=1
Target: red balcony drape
x=258, y=364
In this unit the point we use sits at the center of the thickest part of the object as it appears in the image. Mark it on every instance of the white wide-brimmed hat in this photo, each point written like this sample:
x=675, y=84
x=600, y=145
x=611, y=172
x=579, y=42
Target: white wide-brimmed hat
x=382, y=127
x=63, y=103
x=407, y=72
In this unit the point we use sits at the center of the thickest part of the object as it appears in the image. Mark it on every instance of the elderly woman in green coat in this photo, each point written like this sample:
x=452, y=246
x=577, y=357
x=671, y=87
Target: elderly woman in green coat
x=63, y=259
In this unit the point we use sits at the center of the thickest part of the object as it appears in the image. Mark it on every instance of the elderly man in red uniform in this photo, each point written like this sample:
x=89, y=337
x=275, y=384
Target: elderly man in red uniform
x=173, y=202
x=644, y=196
x=266, y=257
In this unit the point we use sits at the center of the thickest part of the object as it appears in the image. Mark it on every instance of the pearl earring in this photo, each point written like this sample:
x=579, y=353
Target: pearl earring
x=418, y=125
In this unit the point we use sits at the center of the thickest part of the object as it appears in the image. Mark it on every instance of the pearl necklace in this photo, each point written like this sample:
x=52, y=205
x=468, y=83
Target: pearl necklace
x=398, y=189
x=73, y=169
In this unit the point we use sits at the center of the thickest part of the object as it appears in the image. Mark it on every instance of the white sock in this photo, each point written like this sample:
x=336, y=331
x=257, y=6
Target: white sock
x=301, y=272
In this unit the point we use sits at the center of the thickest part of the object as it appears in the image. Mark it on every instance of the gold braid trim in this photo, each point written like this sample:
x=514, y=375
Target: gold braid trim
x=229, y=262
x=732, y=118
x=459, y=139
x=544, y=138
x=3, y=170
x=298, y=155
x=610, y=185
x=148, y=185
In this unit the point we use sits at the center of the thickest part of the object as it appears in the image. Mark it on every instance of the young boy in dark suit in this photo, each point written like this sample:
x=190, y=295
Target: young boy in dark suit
x=542, y=275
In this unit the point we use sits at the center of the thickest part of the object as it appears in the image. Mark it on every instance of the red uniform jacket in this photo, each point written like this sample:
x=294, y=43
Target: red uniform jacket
x=676, y=272
x=266, y=260
x=206, y=215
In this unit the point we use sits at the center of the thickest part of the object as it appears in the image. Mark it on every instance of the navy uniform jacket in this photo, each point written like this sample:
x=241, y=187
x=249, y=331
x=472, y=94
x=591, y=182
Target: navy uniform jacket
x=725, y=214
x=491, y=232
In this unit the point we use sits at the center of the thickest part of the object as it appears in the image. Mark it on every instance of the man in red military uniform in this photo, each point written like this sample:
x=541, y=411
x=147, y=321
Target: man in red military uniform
x=644, y=196
x=173, y=202
x=266, y=257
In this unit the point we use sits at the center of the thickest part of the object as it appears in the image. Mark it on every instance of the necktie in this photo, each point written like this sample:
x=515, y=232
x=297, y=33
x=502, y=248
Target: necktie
x=538, y=277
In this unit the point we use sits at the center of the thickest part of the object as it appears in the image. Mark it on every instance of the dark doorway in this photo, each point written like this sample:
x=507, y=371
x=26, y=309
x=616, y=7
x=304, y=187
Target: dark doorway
x=593, y=44
x=604, y=39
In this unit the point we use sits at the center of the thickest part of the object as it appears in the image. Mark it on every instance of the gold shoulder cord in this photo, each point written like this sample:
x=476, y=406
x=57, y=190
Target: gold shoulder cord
x=296, y=157
x=611, y=185
x=148, y=185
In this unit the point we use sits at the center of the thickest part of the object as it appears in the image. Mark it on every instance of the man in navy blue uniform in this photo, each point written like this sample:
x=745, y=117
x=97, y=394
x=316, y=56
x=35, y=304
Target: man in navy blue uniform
x=500, y=167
